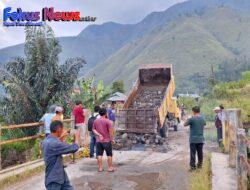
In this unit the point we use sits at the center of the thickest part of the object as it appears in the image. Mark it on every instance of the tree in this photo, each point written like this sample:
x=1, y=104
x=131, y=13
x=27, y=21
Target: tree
x=118, y=86
x=36, y=81
x=89, y=93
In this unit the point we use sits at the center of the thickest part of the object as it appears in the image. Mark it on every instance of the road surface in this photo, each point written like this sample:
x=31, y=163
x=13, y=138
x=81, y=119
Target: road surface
x=138, y=169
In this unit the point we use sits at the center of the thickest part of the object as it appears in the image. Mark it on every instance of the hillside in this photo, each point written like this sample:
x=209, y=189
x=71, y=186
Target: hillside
x=92, y=47
x=192, y=36
x=191, y=43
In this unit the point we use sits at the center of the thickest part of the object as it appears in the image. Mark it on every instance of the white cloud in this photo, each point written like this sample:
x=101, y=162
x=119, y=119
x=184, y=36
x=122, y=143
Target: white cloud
x=121, y=11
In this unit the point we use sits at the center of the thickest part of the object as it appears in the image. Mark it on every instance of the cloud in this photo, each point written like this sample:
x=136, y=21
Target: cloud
x=120, y=11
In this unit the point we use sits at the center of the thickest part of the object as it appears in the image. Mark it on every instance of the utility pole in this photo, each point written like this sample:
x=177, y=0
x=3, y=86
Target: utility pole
x=212, y=75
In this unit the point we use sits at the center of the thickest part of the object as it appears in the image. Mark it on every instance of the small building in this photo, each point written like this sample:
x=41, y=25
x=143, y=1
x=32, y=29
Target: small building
x=194, y=96
x=117, y=97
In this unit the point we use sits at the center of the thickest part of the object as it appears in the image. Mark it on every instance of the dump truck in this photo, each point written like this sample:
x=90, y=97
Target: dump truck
x=174, y=114
x=149, y=102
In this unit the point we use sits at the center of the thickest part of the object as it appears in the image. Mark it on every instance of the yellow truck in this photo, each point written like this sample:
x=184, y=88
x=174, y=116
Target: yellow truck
x=150, y=101
x=174, y=114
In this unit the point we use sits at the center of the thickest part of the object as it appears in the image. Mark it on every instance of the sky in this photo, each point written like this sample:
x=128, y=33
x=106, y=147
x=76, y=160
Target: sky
x=120, y=11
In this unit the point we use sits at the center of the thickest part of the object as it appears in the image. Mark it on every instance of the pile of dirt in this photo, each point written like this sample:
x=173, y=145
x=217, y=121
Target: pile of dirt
x=149, y=96
x=129, y=140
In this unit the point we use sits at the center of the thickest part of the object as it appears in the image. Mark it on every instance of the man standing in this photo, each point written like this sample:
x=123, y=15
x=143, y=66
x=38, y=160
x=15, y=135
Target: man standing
x=196, y=138
x=218, y=124
x=53, y=149
x=79, y=120
x=59, y=114
x=111, y=112
x=103, y=130
x=46, y=119
x=91, y=120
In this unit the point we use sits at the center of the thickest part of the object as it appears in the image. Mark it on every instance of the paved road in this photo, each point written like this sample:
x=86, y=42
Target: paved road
x=139, y=170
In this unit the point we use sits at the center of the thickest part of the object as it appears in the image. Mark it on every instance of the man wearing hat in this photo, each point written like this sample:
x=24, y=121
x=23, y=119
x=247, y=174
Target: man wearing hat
x=59, y=114
x=218, y=123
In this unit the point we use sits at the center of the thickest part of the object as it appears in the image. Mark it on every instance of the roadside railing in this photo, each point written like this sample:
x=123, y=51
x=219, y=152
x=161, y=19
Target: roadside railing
x=68, y=123
x=236, y=144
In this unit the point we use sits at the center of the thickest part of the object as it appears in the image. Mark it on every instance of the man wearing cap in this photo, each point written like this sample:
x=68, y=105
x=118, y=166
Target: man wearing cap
x=59, y=114
x=218, y=124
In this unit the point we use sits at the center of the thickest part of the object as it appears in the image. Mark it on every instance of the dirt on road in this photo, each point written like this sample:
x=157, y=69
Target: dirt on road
x=142, y=169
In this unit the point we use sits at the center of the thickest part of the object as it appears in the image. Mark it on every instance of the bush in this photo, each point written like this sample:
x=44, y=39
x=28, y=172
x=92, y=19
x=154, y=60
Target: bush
x=235, y=95
x=36, y=151
x=18, y=147
x=206, y=104
x=18, y=152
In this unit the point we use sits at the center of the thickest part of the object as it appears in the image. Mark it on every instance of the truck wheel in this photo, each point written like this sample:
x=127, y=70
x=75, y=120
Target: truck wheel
x=175, y=127
x=167, y=130
x=163, y=131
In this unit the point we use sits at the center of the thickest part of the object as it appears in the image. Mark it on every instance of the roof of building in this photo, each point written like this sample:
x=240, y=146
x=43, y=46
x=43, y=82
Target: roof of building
x=189, y=95
x=118, y=96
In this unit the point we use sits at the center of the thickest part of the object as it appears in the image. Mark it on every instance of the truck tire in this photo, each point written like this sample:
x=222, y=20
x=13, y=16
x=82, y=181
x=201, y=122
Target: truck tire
x=163, y=131
x=175, y=128
x=167, y=130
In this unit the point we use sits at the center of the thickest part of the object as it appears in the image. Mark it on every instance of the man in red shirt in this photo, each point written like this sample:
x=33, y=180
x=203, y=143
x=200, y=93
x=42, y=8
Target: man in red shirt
x=103, y=130
x=79, y=121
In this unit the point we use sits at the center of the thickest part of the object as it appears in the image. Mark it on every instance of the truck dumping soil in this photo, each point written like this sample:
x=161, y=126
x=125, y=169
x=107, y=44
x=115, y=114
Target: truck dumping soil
x=149, y=96
x=146, y=108
x=127, y=141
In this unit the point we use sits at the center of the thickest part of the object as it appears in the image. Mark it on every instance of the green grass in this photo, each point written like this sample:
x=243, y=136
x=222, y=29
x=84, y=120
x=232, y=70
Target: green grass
x=191, y=44
x=210, y=136
x=201, y=179
x=207, y=104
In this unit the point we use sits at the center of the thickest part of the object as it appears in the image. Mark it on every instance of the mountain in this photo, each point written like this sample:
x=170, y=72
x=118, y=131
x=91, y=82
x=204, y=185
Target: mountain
x=192, y=36
x=89, y=44
x=192, y=43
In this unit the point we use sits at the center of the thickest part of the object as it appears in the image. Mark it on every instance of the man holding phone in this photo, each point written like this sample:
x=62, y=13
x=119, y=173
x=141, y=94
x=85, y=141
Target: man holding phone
x=53, y=149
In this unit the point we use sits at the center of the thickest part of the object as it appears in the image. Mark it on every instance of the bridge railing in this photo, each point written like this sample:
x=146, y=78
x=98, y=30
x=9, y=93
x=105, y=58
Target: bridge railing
x=68, y=123
x=236, y=144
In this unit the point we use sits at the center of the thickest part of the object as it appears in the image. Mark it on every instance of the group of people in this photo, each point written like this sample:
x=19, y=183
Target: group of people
x=101, y=128
x=196, y=138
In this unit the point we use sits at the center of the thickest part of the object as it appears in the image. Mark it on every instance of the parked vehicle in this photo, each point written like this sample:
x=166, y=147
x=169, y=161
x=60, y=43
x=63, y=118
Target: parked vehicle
x=150, y=102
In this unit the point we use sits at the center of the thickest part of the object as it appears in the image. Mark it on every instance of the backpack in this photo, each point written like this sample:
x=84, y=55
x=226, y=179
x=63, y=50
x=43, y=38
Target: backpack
x=91, y=122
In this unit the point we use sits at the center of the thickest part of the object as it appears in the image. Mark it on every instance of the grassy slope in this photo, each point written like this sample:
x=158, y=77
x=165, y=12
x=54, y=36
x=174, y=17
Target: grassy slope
x=190, y=43
x=240, y=101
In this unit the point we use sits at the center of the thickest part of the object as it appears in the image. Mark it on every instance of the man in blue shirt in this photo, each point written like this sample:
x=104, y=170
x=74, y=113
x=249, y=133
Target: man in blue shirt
x=53, y=149
x=111, y=112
